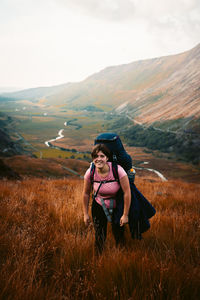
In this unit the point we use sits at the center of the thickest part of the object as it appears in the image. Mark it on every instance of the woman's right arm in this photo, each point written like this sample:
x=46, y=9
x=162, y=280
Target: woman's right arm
x=86, y=198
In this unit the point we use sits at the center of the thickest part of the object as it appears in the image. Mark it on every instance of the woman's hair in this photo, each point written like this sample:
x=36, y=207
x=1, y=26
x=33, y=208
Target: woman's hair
x=102, y=148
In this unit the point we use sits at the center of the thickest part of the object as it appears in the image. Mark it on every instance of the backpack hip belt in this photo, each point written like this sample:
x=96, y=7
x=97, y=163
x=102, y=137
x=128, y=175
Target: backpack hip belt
x=108, y=211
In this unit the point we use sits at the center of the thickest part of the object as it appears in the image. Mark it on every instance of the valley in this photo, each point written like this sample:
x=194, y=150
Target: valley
x=153, y=105
x=38, y=126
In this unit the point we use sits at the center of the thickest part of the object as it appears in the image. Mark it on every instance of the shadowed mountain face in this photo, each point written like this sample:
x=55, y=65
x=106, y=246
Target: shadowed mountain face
x=152, y=90
x=9, y=146
x=10, y=141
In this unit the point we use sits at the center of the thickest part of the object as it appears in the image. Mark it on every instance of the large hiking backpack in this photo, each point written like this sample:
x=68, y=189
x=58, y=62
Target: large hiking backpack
x=140, y=210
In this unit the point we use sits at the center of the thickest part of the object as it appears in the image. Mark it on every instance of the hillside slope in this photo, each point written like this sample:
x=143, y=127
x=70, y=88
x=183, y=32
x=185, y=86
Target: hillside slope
x=10, y=142
x=151, y=90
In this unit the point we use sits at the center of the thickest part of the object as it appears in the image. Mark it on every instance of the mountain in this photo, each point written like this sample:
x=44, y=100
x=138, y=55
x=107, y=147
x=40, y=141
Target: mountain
x=152, y=90
x=158, y=100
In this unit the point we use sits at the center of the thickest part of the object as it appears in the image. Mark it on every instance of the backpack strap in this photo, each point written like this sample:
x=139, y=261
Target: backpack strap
x=92, y=170
x=115, y=170
x=108, y=212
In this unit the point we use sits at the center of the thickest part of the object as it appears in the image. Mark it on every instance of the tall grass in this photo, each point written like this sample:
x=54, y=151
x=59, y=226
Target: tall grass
x=47, y=253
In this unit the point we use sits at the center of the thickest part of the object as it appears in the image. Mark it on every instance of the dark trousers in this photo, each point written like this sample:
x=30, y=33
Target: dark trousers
x=100, y=227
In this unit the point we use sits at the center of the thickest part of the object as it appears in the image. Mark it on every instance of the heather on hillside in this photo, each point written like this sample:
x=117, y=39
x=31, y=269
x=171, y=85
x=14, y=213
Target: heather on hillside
x=47, y=253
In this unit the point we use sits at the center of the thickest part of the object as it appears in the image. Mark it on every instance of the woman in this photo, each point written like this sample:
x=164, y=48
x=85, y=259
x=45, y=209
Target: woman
x=106, y=191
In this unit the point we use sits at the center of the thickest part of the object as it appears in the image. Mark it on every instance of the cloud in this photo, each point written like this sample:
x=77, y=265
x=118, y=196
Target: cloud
x=161, y=19
x=110, y=10
x=54, y=41
x=123, y=10
x=174, y=24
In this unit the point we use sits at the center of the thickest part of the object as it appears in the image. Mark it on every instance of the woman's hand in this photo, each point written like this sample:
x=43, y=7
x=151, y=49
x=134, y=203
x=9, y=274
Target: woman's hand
x=123, y=220
x=86, y=219
x=85, y=199
x=124, y=182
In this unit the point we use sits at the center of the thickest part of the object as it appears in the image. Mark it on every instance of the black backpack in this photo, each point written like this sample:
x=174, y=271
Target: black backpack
x=140, y=210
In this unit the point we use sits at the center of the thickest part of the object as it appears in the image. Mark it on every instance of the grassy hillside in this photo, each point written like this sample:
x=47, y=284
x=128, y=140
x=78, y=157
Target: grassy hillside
x=47, y=253
x=51, y=167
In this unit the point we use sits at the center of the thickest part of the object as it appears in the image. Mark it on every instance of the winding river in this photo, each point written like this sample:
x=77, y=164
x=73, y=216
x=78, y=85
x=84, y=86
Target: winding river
x=60, y=136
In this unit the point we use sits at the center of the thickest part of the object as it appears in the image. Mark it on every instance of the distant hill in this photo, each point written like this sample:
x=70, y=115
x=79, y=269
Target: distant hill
x=8, y=89
x=34, y=93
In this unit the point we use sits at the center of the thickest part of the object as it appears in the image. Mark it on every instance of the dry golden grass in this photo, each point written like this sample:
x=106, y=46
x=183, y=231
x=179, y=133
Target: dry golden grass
x=47, y=253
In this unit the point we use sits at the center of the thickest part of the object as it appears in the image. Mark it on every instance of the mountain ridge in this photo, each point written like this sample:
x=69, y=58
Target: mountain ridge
x=151, y=90
x=34, y=93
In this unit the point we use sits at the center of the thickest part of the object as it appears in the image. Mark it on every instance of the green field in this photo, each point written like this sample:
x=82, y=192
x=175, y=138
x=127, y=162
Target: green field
x=56, y=153
x=39, y=124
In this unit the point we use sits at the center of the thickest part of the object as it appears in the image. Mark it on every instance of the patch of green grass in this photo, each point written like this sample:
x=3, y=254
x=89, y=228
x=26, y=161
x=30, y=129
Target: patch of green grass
x=56, y=153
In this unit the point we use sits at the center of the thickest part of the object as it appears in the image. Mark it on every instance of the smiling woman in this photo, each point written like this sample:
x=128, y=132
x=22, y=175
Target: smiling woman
x=105, y=188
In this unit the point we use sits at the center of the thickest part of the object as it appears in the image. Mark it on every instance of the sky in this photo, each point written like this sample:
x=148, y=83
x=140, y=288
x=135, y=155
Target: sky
x=51, y=42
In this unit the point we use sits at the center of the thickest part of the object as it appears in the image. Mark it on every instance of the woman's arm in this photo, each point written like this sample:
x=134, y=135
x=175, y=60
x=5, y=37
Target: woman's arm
x=124, y=182
x=85, y=199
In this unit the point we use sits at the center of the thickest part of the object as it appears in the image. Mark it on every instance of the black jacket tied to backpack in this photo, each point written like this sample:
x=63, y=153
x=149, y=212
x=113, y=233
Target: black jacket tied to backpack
x=140, y=209
x=139, y=213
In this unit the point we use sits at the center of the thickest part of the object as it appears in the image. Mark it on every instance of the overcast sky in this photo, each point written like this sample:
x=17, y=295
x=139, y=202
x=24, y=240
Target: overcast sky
x=50, y=42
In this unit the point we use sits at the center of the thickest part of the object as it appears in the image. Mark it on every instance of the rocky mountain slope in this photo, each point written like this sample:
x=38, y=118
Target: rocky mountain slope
x=152, y=90
x=164, y=88
x=163, y=91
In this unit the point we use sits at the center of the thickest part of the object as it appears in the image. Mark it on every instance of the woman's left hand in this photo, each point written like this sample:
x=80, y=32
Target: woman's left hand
x=123, y=220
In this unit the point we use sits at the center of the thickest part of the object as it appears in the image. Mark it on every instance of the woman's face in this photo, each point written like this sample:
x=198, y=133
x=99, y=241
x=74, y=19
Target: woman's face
x=100, y=160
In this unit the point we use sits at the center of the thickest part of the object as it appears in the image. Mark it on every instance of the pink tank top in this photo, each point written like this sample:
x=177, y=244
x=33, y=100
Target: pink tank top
x=107, y=190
